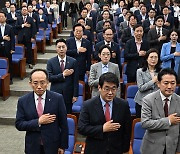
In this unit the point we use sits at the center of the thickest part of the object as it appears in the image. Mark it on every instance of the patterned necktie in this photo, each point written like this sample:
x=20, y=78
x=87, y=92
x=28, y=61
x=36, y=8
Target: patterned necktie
x=39, y=107
x=24, y=18
x=166, y=107
x=159, y=32
x=62, y=65
x=107, y=112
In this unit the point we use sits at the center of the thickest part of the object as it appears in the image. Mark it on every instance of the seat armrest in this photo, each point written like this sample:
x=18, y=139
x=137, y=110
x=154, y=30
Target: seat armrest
x=83, y=147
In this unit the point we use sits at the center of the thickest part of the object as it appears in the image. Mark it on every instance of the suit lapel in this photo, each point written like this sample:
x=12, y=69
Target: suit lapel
x=159, y=104
x=48, y=103
x=67, y=62
x=99, y=68
x=99, y=109
x=32, y=104
x=173, y=105
x=57, y=65
x=115, y=111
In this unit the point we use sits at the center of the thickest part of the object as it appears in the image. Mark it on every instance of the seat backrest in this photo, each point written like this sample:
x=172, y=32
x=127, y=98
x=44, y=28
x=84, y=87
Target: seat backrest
x=72, y=127
x=81, y=89
x=41, y=32
x=131, y=91
x=138, y=136
x=3, y=66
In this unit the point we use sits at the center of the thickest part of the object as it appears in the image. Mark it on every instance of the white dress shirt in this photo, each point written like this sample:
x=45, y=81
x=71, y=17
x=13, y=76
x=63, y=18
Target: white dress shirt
x=63, y=5
x=59, y=58
x=78, y=43
x=43, y=98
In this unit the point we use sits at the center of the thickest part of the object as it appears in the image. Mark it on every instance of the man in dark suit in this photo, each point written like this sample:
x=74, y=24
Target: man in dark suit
x=43, y=19
x=128, y=33
x=6, y=9
x=142, y=15
x=49, y=12
x=34, y=16
x=42, y=114
x=149, y=22
x=168, y=18
x=80, y=49
x=108, y=40
x=158, y=35
x=134, y=53
x=63, y=75
x=122, y=17
x=106, y=24
x=7, y=42
x=108, y=127
x=155, y=5
x=64, y=11
x=26, y=33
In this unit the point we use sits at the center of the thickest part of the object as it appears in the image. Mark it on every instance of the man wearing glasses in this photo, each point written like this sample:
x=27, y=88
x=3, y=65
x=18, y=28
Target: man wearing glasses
x=42, y=115
x=106, y=120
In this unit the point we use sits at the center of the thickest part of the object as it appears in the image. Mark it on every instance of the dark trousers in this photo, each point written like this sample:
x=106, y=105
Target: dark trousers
x=131, y=78
x=3, y=53
x=138, y=110
x=28, y=46
x=64, y=19
x=42, y=149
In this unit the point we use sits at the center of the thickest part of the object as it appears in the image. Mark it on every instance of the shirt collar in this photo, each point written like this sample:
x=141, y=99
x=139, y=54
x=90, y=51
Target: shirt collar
x=164, y=97
x=36, y=96
x=4, y=24
x=151, y=19
x=104, y=65
x=158, y=28
x=77, y=39
x=137, y=41
x=62, y=59
x=107, y=43
x=104, y=103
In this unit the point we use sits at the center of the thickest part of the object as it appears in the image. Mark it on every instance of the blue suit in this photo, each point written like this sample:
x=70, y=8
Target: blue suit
x=166, y=57
x=53, y=135
x=67, y=86
x=83, y=58
x=43, y=24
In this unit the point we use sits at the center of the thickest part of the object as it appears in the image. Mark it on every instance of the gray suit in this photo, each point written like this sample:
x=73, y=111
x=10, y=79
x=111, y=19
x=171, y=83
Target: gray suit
x=123, y=25
x=159, y=133
x=145, y=85
x=96, y=72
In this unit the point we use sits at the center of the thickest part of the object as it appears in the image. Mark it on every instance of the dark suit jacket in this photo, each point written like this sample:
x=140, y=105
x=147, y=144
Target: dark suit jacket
x=10, y=20
x=36, y=21
x=9, y=45
x=54, y=135
x=83, y=59
x=170, y=19
x=43, y=24
x=157, y=8
x=119, y=20
x=146, y=27
x=50, y=17
x=91, y=125
x=114, y=48
x=67, y=86
x=66, y=7
x=25, y=32
x=139, y=18
x=152, y=37
x=134, y=61
x=126, y=35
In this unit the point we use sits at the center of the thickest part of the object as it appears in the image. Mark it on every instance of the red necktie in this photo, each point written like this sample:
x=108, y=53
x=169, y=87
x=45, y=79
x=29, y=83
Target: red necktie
x=62, y=65
x=107, y=112
x=166, y=107
x=24, y=19
x=39, y=107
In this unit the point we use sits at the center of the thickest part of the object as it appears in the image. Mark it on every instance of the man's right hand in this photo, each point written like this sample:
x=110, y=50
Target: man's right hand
x=47, y=119
x=174, y=119
x=110, y=126
x=6, y=37
x=68, y=72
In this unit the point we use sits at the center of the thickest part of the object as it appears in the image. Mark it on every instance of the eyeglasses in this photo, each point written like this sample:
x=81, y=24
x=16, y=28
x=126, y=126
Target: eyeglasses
x=108, y=89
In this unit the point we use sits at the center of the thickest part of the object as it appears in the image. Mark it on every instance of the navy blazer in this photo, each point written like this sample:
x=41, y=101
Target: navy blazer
x=9, y=45
x=119, y=20
x=170, y=19
x=126, y=35
x=91, y=121
x=25, y=32
x=10, y=20
x=134, y=61
x=50, y=17
x=67, y=86
x=53, y=135
x=114, y=48
x=83, y=59
x=139, y=18
x=43, y=24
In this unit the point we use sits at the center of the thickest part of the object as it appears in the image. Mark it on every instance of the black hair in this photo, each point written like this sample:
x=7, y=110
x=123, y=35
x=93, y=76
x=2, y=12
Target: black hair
x=104, y=30
x=153, y=9
x=3, y=13
x=132, y=15
x=108, y=77
x=145, y=63
x=166, y=71
x=103, y=47
x=61, y=40
x=159, y=17
x=107, y=21
x=80, y=18
x=77, y=25
x=84, y=8
x=173, y=30
x=38, y=70
x=105, y=11
x=136, y=26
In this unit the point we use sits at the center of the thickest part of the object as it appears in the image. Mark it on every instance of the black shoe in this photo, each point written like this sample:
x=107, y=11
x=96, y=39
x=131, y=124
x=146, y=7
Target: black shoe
x=30, y=66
